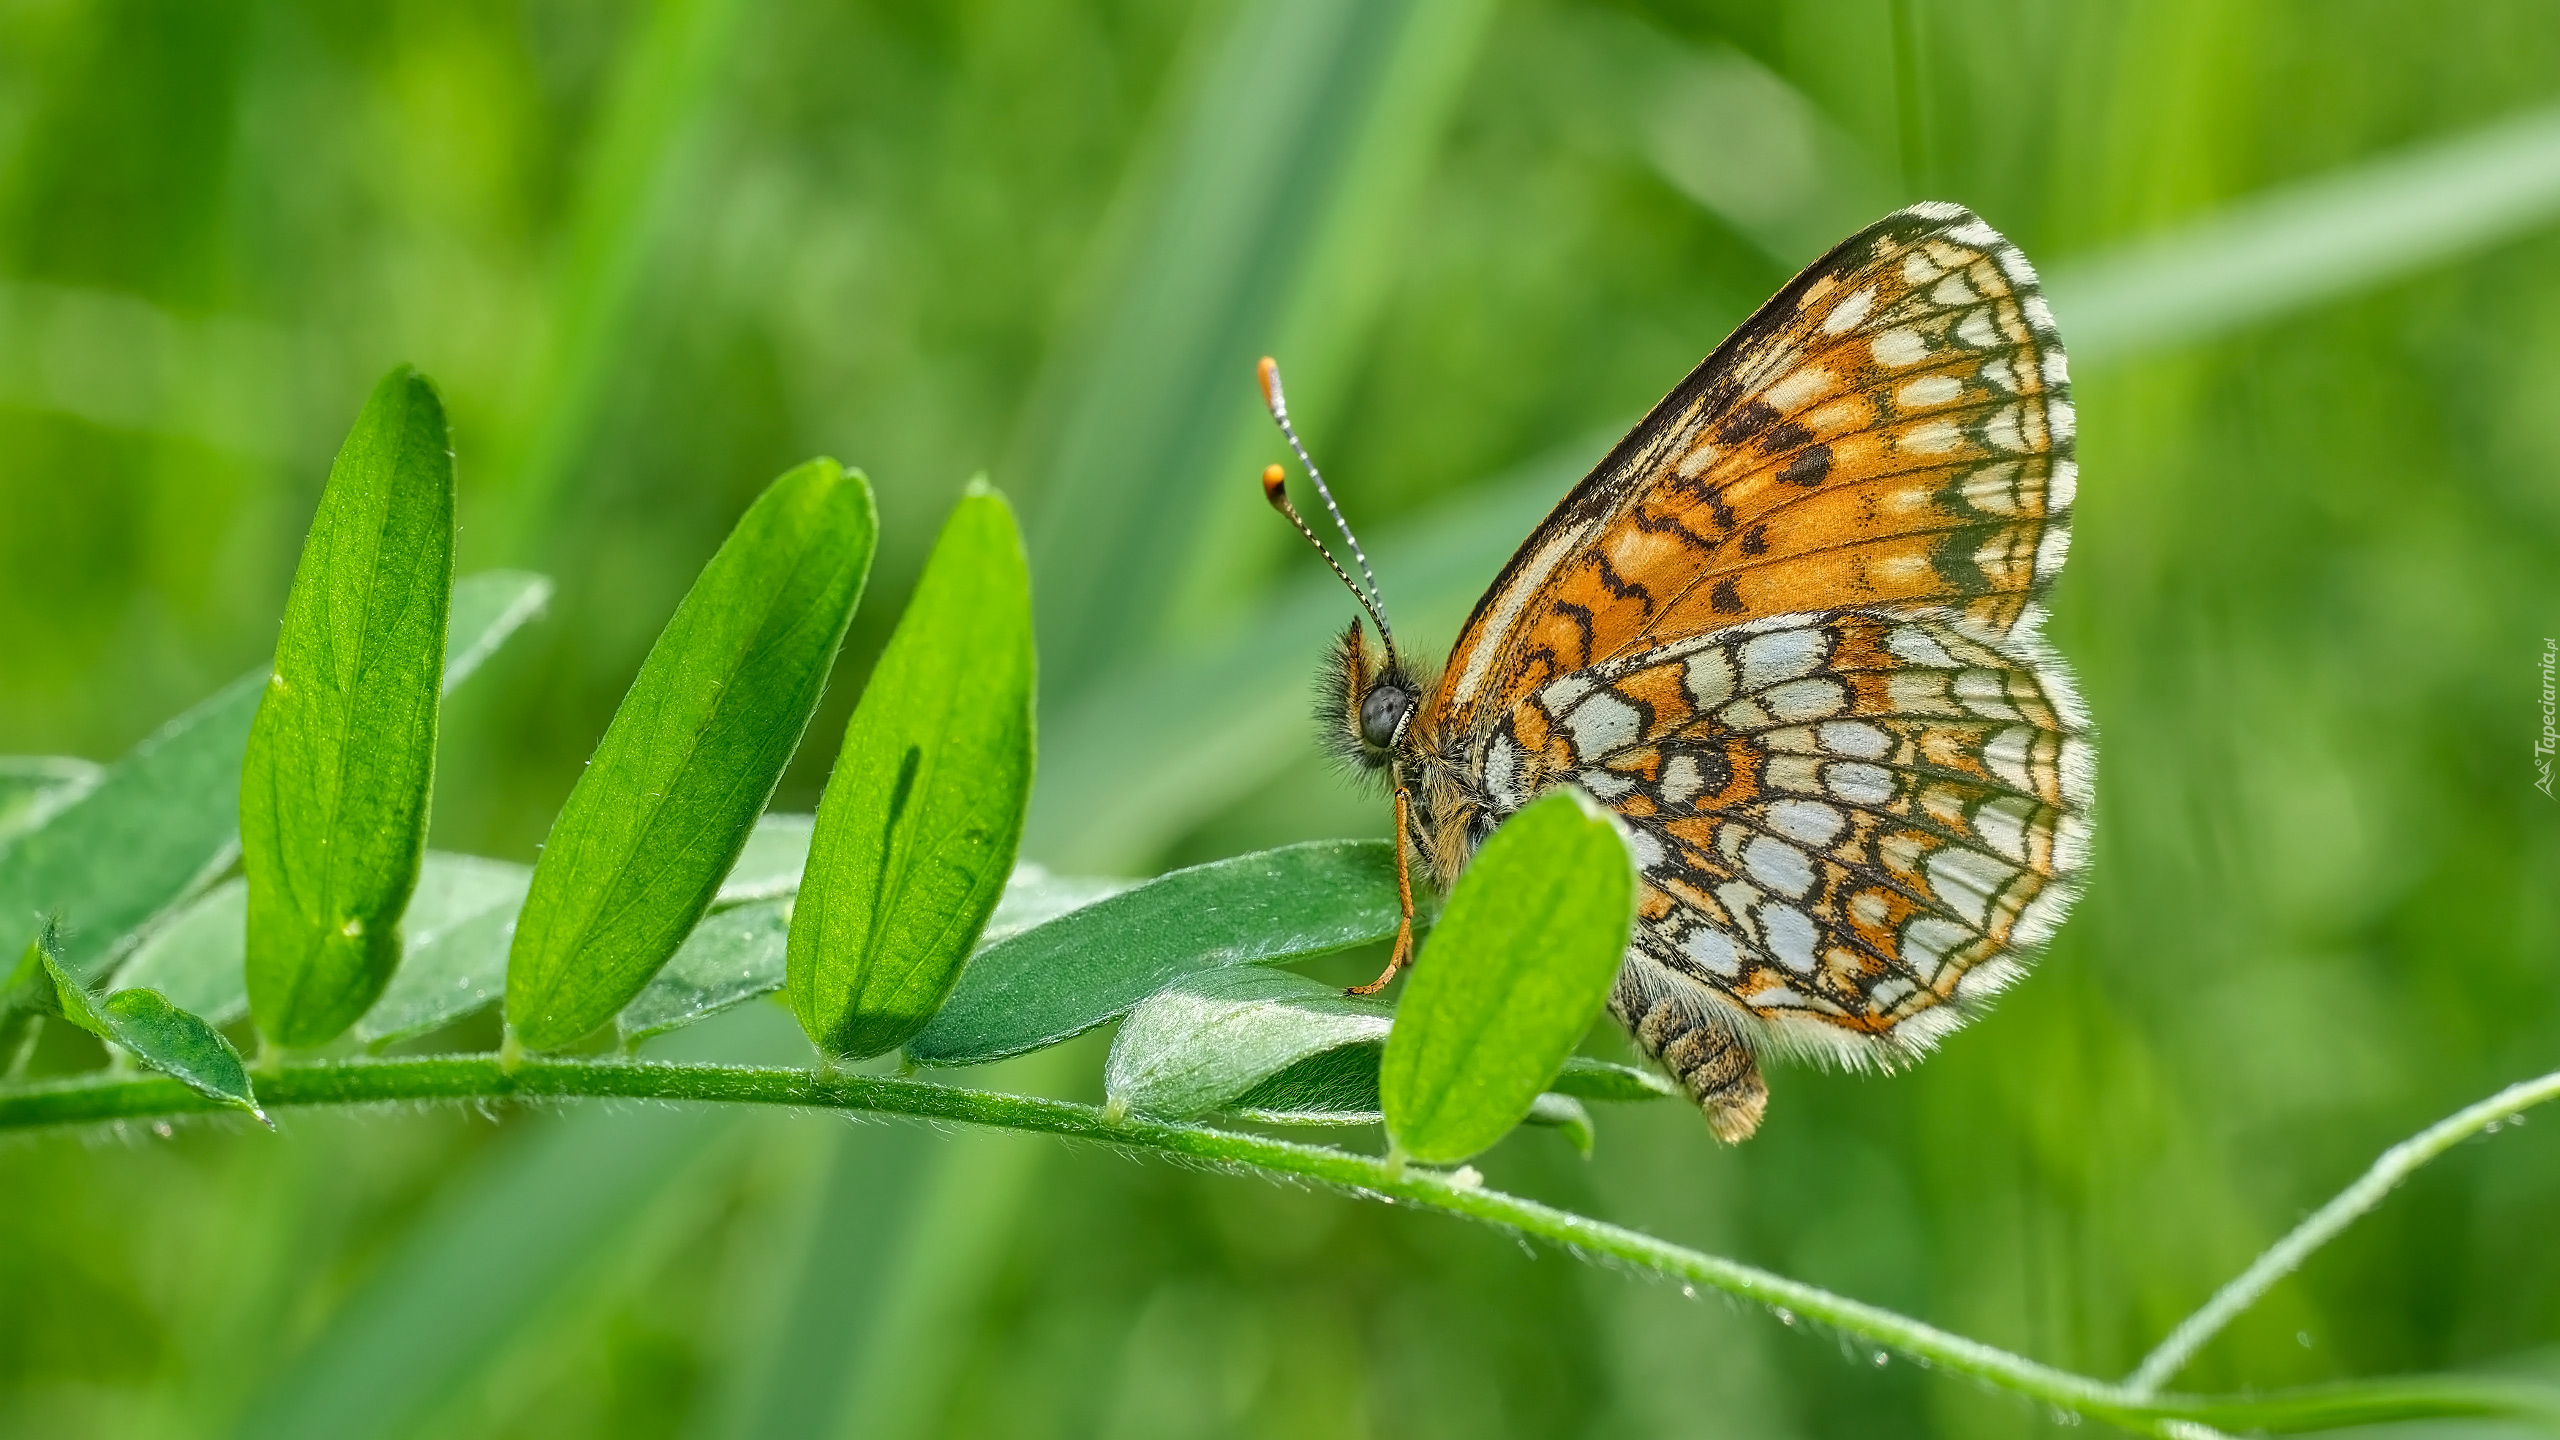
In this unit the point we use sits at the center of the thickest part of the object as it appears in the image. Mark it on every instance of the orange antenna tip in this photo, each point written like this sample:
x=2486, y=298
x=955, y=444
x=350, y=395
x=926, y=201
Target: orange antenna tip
x=1275, y=487
x=1268, y=372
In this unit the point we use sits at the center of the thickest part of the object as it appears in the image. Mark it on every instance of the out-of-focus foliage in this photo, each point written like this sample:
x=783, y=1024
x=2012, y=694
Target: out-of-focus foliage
x=655, y=253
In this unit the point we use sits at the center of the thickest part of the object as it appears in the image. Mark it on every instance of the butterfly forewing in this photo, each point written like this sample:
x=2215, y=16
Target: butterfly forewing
x=1894, y=428
x=1843, y=821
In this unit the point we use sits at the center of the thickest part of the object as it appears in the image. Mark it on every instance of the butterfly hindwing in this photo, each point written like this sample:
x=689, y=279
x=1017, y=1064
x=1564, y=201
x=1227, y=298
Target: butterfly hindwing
x=1894, y=428
x=1844, y=821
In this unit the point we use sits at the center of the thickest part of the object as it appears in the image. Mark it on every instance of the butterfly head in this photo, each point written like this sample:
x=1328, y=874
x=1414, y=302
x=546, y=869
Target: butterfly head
x=1366, y=707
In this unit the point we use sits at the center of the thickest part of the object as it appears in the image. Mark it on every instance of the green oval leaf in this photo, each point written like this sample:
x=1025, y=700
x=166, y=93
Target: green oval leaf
x=664, y=807
x=1520, y=963
x=341, y=757
x=162, y=1036
x=181, y=1045
x=1092, y=965
x=917, y=829
x=1191, y=1048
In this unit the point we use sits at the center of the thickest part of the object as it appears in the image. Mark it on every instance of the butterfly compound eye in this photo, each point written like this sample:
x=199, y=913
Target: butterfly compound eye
x=1382, y=714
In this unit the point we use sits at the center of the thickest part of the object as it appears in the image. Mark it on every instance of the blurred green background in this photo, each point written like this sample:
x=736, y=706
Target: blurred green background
x=2307, y=257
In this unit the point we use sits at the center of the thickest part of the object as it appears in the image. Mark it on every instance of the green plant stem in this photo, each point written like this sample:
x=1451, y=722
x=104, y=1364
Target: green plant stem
x=90, y=1099
x=2286, y=1255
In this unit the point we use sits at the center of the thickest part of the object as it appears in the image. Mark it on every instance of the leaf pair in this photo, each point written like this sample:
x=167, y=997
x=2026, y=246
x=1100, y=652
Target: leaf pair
x=666, y=804
x=911, y=845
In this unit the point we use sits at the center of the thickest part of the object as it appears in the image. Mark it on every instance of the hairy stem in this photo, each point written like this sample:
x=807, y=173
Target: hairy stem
x=100, y=1097
x=2286, y=1255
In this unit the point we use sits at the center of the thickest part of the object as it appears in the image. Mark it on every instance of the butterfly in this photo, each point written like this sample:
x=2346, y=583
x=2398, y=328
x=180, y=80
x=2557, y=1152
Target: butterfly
x=1788, y=632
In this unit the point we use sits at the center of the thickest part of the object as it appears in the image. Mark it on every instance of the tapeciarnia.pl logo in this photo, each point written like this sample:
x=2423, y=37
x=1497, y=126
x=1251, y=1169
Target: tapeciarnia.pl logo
x=2543, y=747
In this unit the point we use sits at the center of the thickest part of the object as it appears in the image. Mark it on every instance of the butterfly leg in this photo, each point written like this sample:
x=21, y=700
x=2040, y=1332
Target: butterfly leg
x=1403, y=955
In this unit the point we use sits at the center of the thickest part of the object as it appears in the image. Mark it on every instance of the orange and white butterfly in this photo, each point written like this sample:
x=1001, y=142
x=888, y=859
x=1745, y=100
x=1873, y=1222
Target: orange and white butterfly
x=1787, y=630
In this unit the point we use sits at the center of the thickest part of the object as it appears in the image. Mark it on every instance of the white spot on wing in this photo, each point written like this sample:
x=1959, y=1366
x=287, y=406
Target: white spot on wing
x=1807, y=822
x=1712, y=949
x=1928, y=390
x=1602, y=724
x=1802, y=385
x=1502, y=772
x=1680, y=780
x=1781, y=655
x=1790, y=935
x=1926, y=941
x=1919, y=647
x=1606, y=784
x=1800, y=700
x=1966, y=880
x=1708, y=676
x=1846, y=315
x=1646, y=847
x=1858, y=784
x=2005, y=755
x=1855, y=739
x=1896, y=349
x=2003, y=825
x=1778, y=866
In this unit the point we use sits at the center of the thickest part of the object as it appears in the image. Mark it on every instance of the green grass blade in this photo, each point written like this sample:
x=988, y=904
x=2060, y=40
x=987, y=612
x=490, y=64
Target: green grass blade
x=1191, y=1048
x=1093, y=964
x=160, y=821
x=2298, y=245
x=1518, y=966
x=643, y=159
x=664, y=807
x=917, y=831
x=488, y=608
x=1289, y=149
x=341, y=758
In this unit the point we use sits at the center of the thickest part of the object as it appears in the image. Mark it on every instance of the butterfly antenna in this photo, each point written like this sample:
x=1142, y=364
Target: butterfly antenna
x=1275, y=489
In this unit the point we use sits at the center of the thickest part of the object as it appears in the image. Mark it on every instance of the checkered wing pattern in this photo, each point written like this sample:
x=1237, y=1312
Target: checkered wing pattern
x=1848, y=823
x=1894, y=428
